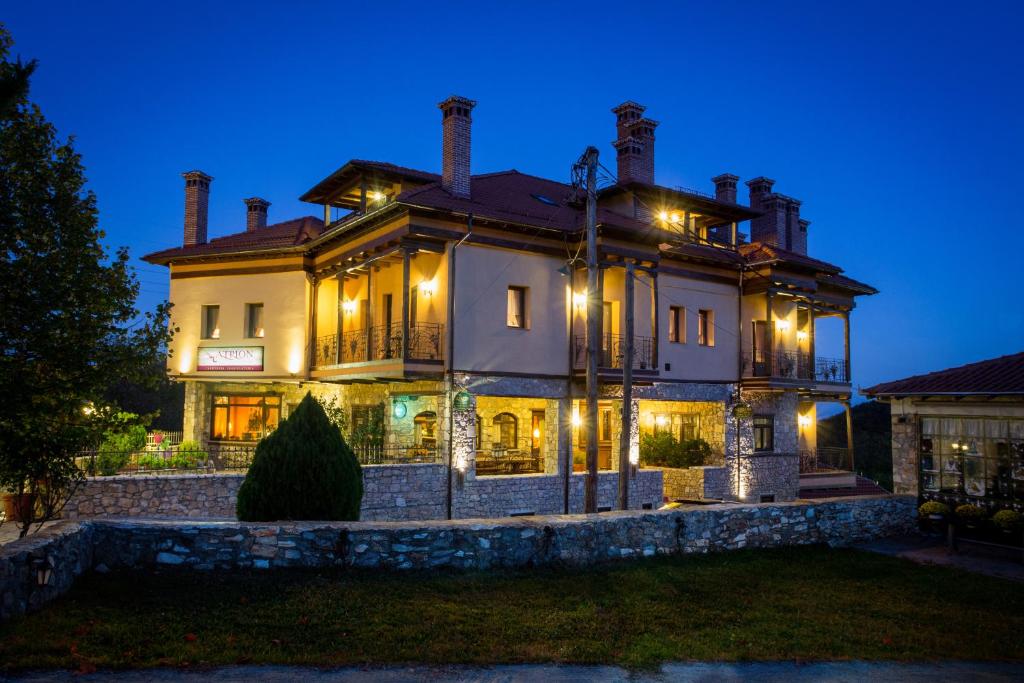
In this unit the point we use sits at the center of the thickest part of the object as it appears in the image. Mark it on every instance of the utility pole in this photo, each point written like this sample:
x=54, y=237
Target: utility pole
x=593, y=333
x=625, y=437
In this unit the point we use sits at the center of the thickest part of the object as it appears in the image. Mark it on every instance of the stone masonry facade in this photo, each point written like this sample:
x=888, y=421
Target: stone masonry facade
x=905, y=431
x=40, y=568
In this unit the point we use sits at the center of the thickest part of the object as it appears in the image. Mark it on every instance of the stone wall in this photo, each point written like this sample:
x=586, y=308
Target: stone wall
x=708, y=482
x=70, y=548
x=768, y=474
x=390, y=492
x=905, y=430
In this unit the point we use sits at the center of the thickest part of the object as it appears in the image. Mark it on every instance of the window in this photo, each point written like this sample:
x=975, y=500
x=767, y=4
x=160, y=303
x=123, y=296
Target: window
x=506, y=427
x=211, y=322
x=683, y=426
x=706, y=327
x=253, y=320
x=425, y=425
x=244, y=418
x=677, y=324
x=764, y=432
x=516, y=316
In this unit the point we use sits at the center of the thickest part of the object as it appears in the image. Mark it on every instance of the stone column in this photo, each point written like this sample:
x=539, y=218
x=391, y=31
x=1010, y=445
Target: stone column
x=634, y=437
x=464, y=439
x=557, y=434
x=905, y=454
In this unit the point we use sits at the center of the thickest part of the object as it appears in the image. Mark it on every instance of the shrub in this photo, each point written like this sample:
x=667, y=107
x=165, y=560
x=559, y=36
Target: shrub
x=118, y=445
x=303, y=470
x=933, y=507
x=664, y=450
x=1007, y=520
x=971, y=513
x=189, y=455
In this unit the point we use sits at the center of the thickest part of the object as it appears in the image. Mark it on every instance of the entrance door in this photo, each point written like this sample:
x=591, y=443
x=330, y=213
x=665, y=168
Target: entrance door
x=759, y=344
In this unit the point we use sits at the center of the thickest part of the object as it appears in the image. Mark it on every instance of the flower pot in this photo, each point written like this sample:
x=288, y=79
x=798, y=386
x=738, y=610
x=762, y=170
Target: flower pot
x=18, y=507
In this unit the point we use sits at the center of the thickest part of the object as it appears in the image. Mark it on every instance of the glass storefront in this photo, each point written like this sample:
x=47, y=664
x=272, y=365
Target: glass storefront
x=972, y=459
x=244, y=418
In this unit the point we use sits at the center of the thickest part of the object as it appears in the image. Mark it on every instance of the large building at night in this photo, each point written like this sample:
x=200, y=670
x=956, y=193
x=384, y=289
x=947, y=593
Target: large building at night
x=445, y=314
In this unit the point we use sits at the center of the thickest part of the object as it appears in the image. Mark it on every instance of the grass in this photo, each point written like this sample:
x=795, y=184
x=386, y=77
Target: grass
x=800, y=603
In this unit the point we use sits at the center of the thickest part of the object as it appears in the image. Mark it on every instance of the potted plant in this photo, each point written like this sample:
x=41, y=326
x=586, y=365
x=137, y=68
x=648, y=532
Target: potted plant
x=1007, y=521
x=971, y=516
x=934, y=514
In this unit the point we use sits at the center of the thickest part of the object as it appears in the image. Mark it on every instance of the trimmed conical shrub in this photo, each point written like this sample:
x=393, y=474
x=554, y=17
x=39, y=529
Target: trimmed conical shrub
x=303, y=470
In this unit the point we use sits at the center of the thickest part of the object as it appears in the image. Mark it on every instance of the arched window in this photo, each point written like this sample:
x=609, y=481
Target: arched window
x=506, y=428
x=425, y=425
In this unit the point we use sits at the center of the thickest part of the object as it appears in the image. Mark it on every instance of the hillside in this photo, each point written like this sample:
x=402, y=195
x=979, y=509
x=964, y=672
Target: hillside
x=872, y=435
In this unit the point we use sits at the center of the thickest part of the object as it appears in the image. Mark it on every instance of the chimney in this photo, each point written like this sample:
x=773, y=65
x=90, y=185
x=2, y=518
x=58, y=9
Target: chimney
x=800, y=237
x=725, y=187
x=197, y=199
x=634, y=144
x=792, y=232
x=255, y=213
x=456, y=122
x=770, y=226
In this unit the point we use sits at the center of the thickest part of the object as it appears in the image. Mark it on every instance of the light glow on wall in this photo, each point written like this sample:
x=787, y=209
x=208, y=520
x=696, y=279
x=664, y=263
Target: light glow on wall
x=579, y=299
x=295, y=361
x=804, y=421
x=428, y=287
x=782, y=325
x=801, y=335
x=185, y=362
x=348, y=306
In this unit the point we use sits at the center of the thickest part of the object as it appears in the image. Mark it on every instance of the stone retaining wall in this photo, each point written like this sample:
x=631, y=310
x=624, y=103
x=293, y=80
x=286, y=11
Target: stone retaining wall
x=390, y=493
x=70, y=548
x=708, y=482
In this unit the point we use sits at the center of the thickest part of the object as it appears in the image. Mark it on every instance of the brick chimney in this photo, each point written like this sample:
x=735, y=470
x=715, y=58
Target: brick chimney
x=634, y=143
x=255, y=213
x=792, y=233
x=780, y=222
x=456, y=121
x=800, y=237
x=725, y=187
x=197, y=199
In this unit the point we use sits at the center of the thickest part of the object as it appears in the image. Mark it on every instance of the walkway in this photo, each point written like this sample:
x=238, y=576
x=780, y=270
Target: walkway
x=932, y=550
x=768, y=672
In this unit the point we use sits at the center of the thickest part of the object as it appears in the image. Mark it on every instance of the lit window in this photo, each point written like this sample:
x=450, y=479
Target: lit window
x=677, y=324
x=425, y=428
x=706, y=327
x=516, y=316
x=244, y=418
x=253, y=320
x=211, y=322
x=506, y=426
x=764, y=432
x=682, y=426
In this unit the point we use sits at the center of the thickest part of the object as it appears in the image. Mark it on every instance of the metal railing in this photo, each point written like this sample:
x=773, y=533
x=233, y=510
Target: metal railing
x=795, y=365
x=384, y=342
x=506, y=458
x=613, y=352
x=396, y=454
x=825, y=459
x=213, y=458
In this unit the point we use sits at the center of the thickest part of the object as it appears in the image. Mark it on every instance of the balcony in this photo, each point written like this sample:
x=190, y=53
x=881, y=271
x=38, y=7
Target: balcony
x=796, y=366
x=613, y=353
x=381, y=343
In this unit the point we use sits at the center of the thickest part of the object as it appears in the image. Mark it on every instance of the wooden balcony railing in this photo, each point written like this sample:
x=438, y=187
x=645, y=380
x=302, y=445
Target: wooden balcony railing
x=825, y=459
x=382, y=342
x=613, y=352
x=795, y=365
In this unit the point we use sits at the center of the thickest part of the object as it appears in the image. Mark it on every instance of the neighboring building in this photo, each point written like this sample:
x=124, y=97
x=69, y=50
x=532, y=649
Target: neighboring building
x=419, y=292
x=958, y=434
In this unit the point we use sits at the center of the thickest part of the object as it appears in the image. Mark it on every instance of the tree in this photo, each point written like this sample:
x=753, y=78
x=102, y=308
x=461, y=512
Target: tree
x=69, y=329
x=302, y=470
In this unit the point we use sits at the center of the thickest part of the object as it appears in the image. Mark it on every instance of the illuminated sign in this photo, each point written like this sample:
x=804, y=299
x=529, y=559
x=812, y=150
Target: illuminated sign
x=230, y=358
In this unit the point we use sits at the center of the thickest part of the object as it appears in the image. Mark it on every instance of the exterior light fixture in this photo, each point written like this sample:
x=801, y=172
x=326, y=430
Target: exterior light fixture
x=376, y=196
x=804, y=421
x=675, y=217
x=782, y=325
x=399, y=409
x=349, y=306
x=576, y=421
x=661, y=420
x=428, y=287
x=801, y=335
x=536, y=433
x=663, y=215
x=579, y=299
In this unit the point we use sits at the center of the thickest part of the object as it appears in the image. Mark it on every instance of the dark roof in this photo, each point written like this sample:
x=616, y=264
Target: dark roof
x=279, y=235
x=703, y=202
x=760, y=252
x=1003, y=375
x=352, y=169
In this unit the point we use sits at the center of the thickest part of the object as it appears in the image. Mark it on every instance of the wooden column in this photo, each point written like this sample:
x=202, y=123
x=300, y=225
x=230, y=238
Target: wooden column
x=627, y=394
x=846, y=345
x=849, y=434
x=362, y=196
x=405, y=304
x=810, y=342
x=312, y=323
x=735, y=234
x=341, y=316
x=369, y=312
x=327, y=215
x=655, y=319
x=770, y=356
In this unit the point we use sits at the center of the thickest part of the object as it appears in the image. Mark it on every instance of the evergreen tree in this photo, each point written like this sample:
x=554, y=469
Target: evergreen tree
x=303, y=470
x=69, y=329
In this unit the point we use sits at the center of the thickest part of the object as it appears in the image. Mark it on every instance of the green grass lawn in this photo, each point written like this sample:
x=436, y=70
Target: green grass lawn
x=802, y=603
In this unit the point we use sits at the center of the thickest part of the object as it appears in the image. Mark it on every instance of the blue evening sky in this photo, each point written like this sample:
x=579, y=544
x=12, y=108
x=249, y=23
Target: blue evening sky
x=897, y=124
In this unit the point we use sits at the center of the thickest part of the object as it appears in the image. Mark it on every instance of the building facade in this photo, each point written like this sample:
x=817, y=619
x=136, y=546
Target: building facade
x=958, y=434
x=445, y=315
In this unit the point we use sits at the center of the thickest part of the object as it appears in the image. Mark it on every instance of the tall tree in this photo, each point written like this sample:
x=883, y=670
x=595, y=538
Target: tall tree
x=69, y=329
